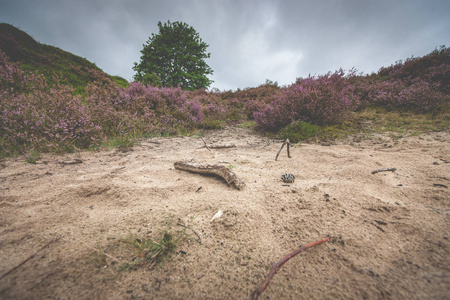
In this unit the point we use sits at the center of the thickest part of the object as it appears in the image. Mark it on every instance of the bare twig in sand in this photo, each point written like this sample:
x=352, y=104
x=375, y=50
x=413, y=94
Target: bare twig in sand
x=384, y=170
x=378, y=227
x=222, y=146
x=218, y=146
x=278, y=265
x=29, y=257
x=206, y=146
x=72, y=162
x=440, y=185
x=221, y=171
x=286, y=142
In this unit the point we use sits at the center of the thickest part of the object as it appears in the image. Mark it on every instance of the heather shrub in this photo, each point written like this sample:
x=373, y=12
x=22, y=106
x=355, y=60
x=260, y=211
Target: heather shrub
x=110, y=108
x=14, y=80
x=418, y=97
x=35, y=115
x=321, y=100
x=46, y=121
x=419, y=85
x=431, y=68
x=215, y=108
x=250, y=100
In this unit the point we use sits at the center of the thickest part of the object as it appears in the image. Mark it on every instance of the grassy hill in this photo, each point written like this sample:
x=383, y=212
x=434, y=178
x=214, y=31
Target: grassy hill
x=33, y=56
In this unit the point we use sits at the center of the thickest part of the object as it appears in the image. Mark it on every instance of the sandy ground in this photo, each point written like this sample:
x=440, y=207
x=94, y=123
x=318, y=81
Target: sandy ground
x=389, y=231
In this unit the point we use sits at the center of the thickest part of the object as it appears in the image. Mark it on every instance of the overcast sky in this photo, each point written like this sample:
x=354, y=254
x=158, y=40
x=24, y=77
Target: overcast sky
x=249, y=40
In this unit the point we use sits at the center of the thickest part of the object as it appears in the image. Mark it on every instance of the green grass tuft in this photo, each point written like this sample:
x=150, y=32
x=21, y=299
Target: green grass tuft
x=209, y=123
x=153, y=250
x=299, y=131
x=33, y=156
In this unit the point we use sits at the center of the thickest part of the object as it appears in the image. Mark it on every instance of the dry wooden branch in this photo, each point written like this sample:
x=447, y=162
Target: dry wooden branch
x=29, y=257
x=286, y=142
x=221, y=171
x=278, y=265
x=384, y=170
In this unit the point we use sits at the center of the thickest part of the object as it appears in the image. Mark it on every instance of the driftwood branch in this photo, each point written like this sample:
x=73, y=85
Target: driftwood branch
x=278, y=265
x=384, y=170
x=221, y=171
x=286, y=142
x=29, y=257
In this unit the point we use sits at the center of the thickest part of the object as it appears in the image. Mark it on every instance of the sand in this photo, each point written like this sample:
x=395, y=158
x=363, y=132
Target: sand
x=389, y=232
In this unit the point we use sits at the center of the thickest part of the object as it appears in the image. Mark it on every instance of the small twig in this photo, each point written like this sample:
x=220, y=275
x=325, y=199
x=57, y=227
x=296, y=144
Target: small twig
x=279, y=151
x=198, y=190
x=206, y=146
x=378, y=227
x=440, y=185
x=286, y=142
x=29, y=257
x=116, y=170
x=278, y=265
x=384, y=170
x=381, y=222
x=72, y=162
x=222, y=146
x=288, y=145
x=199, y=238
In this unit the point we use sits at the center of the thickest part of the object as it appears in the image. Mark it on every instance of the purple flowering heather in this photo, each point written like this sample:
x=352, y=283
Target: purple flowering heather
x=325, y=99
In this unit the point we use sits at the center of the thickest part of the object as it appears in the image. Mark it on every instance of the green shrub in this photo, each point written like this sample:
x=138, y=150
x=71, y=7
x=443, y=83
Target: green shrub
x=209, y=123
x=299, y=131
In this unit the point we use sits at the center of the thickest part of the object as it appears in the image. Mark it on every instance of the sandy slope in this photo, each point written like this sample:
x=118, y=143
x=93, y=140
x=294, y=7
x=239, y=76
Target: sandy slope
x=389, y=231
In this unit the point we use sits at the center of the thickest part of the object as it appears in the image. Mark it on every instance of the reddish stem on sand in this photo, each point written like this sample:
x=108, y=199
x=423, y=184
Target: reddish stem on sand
x=278, y=265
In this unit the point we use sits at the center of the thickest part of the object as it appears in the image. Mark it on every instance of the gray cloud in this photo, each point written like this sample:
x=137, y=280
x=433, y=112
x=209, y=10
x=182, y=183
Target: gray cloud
x=250, y=41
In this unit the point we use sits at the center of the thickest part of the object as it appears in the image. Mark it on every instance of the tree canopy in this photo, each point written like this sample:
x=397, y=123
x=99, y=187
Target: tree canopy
x=175, y=56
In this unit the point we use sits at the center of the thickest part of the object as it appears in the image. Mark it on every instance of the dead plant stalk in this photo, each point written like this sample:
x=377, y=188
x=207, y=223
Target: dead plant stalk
x=278, y=265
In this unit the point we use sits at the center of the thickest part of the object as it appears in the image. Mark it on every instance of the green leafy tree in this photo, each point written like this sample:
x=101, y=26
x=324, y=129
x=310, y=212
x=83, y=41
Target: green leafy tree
x=175, y=56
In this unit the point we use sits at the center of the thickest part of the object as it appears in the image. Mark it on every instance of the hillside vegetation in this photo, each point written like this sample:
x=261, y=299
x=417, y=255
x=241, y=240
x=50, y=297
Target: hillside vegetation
x=32, y=56
x=52, y=100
